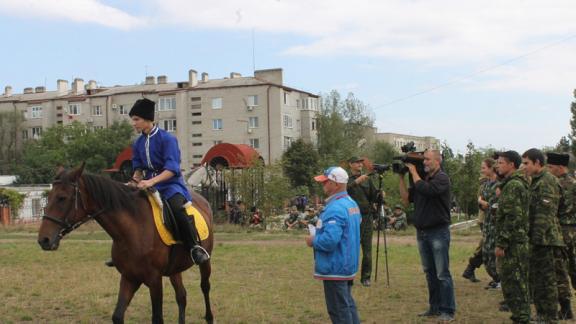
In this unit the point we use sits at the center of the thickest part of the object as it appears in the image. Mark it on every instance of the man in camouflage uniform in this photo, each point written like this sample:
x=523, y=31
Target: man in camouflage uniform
x=363, y=191
x=546, y=243
x=488, y=202
x=511, y=236
x=558, y=166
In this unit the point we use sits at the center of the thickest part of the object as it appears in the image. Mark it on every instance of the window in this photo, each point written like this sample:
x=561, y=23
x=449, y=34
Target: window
x=195, y=99
x=197, y=135
x=197, y=114
x=286, y=97
x=253, y=122
x=197, y=156
x=25, y=134
x=37, y=209
x=197, y=144
x=74, y=109
x=98, y=127
x=36, y=112
x=196, y=122
x=287, y=142
x=252, y=100
x=311, y=103
x=167, y=103
x=217, y=124
x=313, y=124
x=255, y=142
x=298, y=103
x=217, y=142
x=216, y=103
x=96, y=110
x=288, y=121
x=122, y=110
x=36, y=132
x=169, y=125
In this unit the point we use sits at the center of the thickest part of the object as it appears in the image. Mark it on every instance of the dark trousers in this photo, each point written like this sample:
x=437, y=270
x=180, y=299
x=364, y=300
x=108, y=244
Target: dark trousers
x=339, y=302
x=185, y=224
x=434, y=245
x=366, y=231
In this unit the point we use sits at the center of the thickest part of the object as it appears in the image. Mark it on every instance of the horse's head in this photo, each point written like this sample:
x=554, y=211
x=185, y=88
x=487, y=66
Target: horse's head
x=203, y=176
x=65, y=209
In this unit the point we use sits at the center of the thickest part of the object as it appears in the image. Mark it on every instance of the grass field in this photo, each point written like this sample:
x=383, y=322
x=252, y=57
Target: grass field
x=257, y=278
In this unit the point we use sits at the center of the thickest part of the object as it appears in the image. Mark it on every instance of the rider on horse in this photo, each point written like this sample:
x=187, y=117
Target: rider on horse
x=156, y=163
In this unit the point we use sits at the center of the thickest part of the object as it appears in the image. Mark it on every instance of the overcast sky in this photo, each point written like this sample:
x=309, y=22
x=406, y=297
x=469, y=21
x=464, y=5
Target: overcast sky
x=498, y=73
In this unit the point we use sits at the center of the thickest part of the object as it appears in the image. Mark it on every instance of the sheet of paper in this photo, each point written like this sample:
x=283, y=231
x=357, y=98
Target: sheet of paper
x=312, y=229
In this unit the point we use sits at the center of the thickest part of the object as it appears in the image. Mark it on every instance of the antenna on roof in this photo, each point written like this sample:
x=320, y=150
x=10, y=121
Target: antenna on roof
x=253, y=52
x=145, y=70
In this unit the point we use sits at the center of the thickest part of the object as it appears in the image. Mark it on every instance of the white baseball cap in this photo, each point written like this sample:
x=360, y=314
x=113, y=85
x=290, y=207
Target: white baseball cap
x=336, y=174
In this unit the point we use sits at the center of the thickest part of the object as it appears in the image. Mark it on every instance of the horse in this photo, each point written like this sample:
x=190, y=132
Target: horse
x=204, y=176
x=138, y=253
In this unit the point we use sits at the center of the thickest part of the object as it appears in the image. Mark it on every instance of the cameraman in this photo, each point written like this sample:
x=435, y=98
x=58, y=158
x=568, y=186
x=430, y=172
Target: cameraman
x=431, y=198
x=363, y=191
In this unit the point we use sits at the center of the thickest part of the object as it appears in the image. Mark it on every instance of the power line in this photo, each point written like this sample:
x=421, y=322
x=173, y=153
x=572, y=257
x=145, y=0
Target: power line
x=481, y=71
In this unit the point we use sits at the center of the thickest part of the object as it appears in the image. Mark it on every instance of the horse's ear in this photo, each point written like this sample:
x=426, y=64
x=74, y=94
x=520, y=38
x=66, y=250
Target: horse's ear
x=78, y=172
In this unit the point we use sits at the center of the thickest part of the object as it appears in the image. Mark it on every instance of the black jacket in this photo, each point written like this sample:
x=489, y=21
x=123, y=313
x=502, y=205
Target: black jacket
x=431, y=198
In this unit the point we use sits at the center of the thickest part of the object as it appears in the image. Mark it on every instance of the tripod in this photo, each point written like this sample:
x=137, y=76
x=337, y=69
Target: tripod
x=380, y=208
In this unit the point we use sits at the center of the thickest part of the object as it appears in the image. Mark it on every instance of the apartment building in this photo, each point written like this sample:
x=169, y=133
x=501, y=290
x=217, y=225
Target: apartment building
x=258, y=110
x=398, y=140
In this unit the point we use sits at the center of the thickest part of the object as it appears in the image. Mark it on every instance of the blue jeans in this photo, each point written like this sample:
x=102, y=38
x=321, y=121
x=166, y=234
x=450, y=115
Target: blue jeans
x=339, y=302
x=434, y=245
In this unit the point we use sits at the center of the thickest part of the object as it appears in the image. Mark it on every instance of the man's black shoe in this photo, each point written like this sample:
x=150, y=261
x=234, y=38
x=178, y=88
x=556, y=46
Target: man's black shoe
x=469, y=274
x=365, y=282
x=109, y=263
x=429, y=313
x=199, y=255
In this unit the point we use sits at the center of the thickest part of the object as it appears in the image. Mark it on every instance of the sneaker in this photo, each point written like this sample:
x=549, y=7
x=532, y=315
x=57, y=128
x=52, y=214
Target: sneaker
x=365, y=282
x=429, y=313
x=109, y=263
x=445, y=318
x=199, y=255
x=493, y=285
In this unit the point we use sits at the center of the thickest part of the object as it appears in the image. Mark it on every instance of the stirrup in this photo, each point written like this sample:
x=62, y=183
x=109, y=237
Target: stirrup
x=202, y=250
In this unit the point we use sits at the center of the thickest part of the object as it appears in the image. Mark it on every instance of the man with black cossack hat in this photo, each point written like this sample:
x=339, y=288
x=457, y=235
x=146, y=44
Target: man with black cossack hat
x=363, y=191
x=558, y=166
x=156, y=163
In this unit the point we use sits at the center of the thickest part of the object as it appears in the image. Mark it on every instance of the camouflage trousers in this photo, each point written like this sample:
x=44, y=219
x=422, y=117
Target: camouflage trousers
x=513, y=268
x=366, y=230
x=569, y=234
x=543, y=282
x=561, y=269
x=488, y=247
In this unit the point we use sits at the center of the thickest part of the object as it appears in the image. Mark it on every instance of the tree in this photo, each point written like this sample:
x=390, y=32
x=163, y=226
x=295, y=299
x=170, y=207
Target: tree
x=572, y=135
x=342, y=127
x=467, y=181
x=563, y=145
x=69, y=146
x=382, y=152
x=300, y=164
x=10, y=126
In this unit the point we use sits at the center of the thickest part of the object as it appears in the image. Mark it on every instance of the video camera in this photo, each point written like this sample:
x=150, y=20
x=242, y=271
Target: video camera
x=410, y=156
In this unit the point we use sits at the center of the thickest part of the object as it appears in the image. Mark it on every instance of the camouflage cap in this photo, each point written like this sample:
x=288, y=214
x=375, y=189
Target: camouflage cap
x=355, y=159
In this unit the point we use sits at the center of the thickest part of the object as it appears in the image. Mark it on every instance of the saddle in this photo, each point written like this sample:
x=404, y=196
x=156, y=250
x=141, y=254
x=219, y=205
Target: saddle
x=166, y=223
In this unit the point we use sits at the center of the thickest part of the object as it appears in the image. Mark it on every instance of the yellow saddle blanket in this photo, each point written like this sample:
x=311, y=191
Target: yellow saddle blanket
x=165, y=234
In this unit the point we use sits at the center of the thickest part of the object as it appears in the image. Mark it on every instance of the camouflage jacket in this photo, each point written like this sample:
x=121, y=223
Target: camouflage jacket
x=488, y=194
x=544, y=199
x=512, y=214
x=364, y=194
x=567, y=208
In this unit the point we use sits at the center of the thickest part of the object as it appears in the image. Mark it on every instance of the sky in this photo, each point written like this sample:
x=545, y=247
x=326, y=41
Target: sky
x=498, y=73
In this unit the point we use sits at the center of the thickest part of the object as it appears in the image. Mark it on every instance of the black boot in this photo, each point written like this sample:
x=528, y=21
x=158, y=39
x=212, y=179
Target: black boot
x=565, y=312
x=197, y=252
x=469, y=273
x=109, y=263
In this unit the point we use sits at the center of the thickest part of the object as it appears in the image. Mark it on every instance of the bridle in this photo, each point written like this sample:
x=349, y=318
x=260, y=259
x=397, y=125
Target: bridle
x=67, y=227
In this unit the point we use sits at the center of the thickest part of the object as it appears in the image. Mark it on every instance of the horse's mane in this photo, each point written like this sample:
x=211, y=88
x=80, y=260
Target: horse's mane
x=109, y=194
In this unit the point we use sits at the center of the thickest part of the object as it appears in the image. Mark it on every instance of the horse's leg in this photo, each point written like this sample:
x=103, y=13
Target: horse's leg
x=205, y=271
x=127, y=290
x=176, y=280
x=156, y=296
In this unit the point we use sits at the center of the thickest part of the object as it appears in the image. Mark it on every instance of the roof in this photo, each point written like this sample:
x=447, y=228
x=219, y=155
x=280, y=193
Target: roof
x=147, y=88
x=231, y=155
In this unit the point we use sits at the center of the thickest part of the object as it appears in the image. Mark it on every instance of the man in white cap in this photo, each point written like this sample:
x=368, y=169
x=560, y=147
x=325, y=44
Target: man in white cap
x=336, y=246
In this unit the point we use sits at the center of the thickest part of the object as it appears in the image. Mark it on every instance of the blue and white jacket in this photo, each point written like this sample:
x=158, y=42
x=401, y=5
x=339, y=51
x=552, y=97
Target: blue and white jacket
x=337, y=241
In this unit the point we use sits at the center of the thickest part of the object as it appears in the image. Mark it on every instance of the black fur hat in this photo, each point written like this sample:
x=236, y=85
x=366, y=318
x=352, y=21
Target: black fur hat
x=558, y=158
x=143, y=108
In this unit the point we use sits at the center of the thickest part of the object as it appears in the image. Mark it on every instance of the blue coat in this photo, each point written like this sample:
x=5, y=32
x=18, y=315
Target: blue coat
x=337, y=241
x=161, y=153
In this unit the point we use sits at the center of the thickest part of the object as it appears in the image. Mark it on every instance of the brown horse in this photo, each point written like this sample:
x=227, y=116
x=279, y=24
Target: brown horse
x=137, y=251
